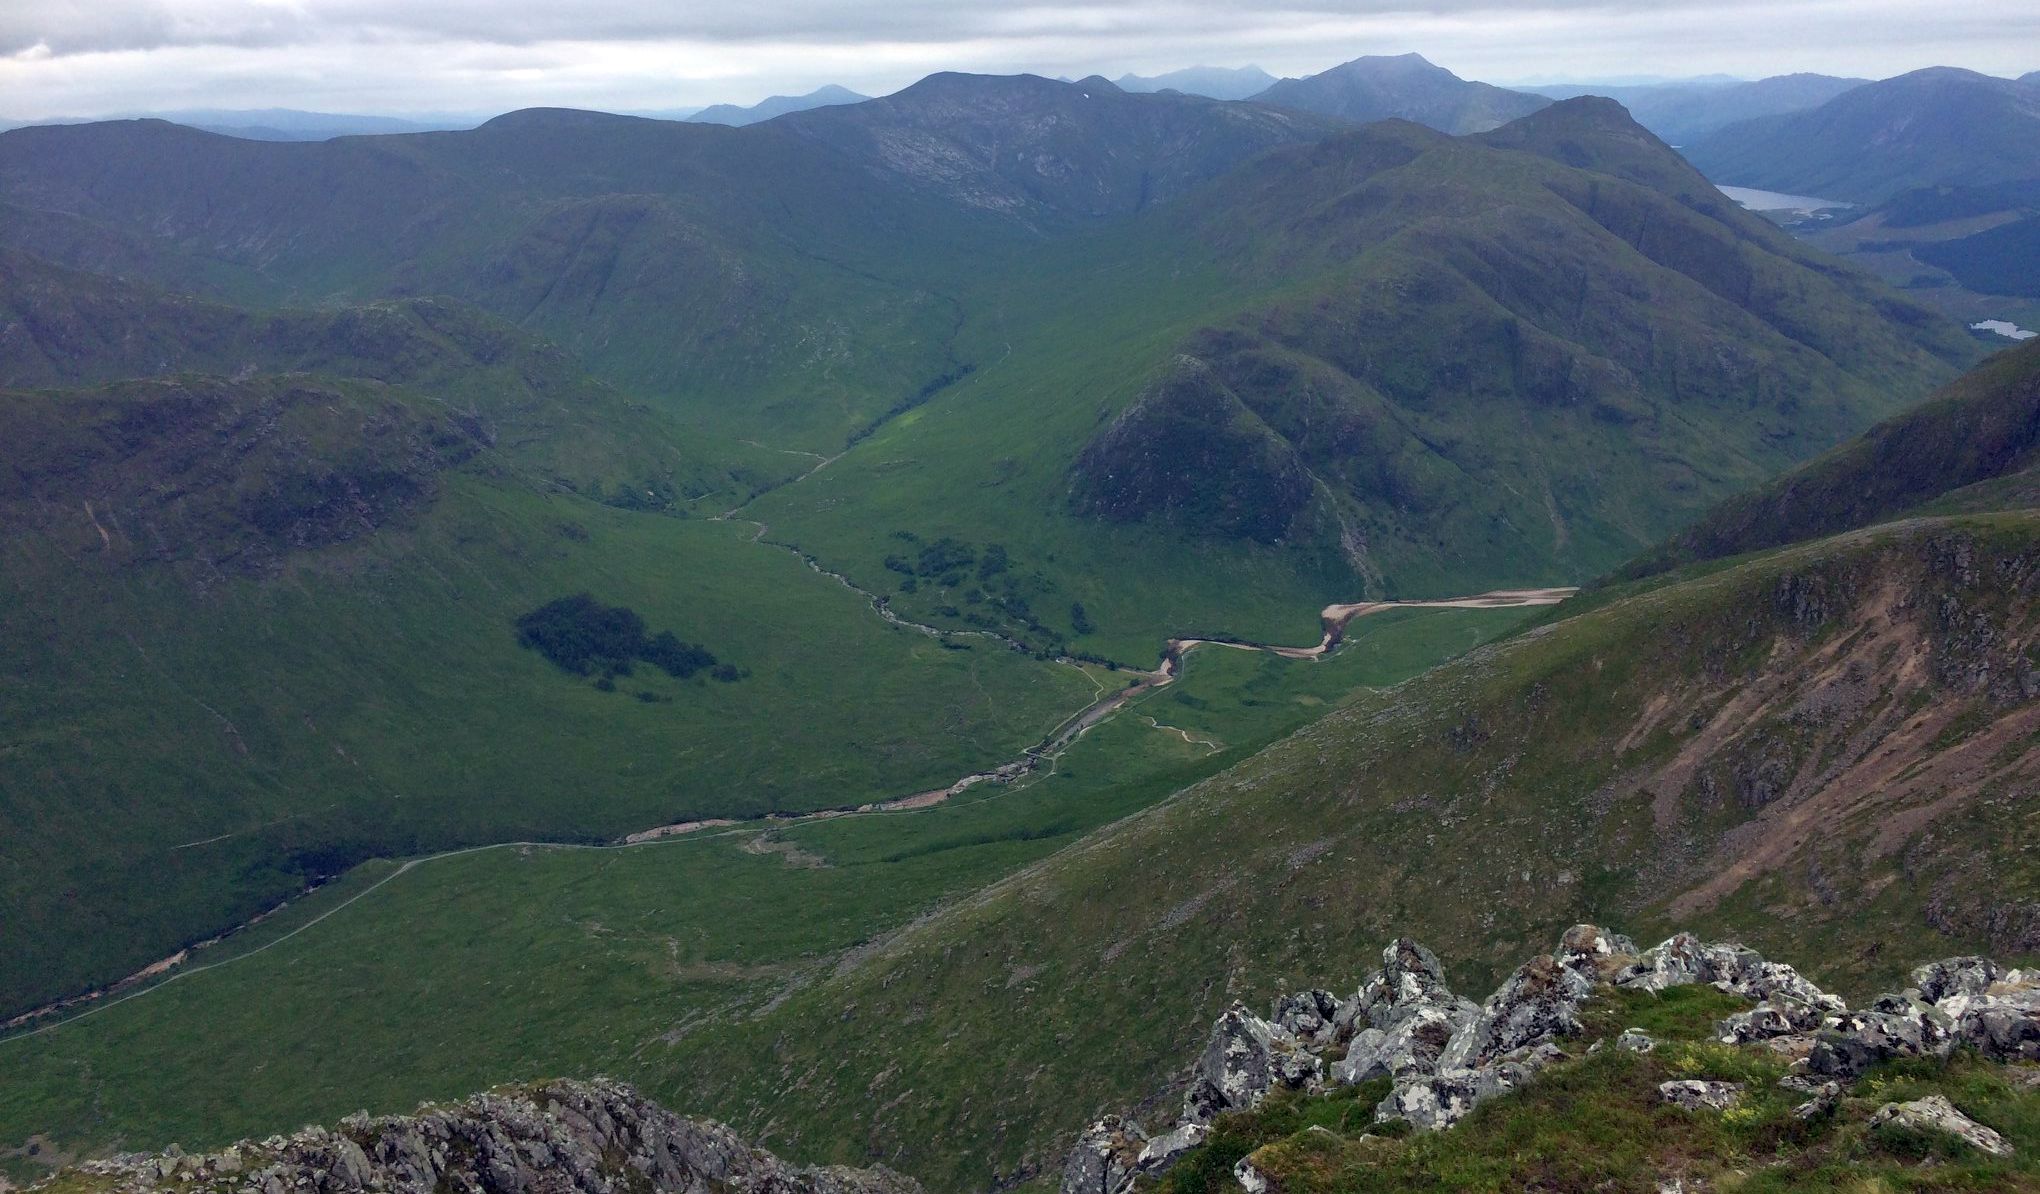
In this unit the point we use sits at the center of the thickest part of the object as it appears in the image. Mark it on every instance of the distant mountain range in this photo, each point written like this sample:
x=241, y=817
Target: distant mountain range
x=1405, y=86
x=280, y=124
x=1217, y=82
x=1936, y=127
x=1682, y=110
x=778, y=105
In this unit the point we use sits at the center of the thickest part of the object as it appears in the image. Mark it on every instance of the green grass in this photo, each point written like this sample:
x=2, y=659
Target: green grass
x=177, y=761
x=519, y=961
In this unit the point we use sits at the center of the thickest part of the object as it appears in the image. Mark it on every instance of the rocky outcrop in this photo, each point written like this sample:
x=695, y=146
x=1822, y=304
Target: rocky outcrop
x=1445, y=1055
x=1105, y=1158
x=1245, y=1059
x=1956, y=1002
x=560, y=1138
x=1308, y=1015
x=1936, y=1114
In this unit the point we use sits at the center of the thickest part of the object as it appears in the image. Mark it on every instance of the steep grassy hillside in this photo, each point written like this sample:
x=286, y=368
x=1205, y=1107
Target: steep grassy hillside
x=1982, y=431
x=1821, y=752
x=522, y=396
x=259, y=629
x=565, y=959
x=1940, y=126
x=1402, y=87
x=1428, y=366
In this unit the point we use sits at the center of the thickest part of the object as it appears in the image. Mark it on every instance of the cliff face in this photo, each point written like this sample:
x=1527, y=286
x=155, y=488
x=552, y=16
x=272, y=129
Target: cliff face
x=597, y=1137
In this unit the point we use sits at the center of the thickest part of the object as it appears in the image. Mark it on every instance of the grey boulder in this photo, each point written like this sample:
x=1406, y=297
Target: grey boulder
x=1696, y=1095
x=1308, y=1015
x=1936, y=1114
x=1104, y=1159
x=1410, y=1049
x=1245, y=1058
x=1539, y=1002
x=1162, y=1152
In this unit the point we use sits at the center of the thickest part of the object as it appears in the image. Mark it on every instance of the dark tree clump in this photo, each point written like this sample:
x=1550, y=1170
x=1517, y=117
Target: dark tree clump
x=581, y=635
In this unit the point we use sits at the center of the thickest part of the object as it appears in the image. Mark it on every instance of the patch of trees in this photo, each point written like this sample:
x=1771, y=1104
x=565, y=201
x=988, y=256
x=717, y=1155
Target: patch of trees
x=579, y=634
x=985, y=578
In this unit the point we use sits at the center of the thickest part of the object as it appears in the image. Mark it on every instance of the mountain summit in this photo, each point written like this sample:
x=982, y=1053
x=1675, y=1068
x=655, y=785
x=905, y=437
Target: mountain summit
x=1408, y=86
x=778, y=105
x=1216, y=82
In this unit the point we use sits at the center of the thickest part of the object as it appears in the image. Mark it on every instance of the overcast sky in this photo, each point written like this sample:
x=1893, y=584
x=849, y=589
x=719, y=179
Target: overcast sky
x=92, y=57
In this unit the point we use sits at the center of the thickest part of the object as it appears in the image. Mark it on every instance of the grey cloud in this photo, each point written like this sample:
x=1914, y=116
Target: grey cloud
x=85, y=26
x=417, y=56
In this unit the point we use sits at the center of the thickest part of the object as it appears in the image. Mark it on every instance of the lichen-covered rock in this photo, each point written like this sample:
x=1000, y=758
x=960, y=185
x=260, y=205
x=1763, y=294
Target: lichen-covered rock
x=1937, y=982
x=1996, y=1014
x=1936, y=1114
x=1776, y=983
x=1162, y=1152
x=1410, y=979
x=1594, y=953
x=1683, y=960
x=1767, y=1021
x=560, y=1138
x=1697, y=1095
x=1410, y=1049
x=1104, y=1159
x=1636, y=1040
x=1245, y=1058
x=1539, y=1002
x=1894, y=1026
x=1437, y=1101
x=1308, y=1015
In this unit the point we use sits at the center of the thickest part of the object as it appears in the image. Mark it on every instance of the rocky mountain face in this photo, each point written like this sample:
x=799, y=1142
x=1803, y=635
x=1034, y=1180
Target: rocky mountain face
x=1404, y=87
x=1440, y=1056
x=1939, y=126
x=561, y=1137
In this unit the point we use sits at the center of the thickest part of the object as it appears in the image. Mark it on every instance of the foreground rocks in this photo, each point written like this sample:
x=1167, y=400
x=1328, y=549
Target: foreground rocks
x=1445, y=1055
x=1936, y=1114
x=1953, y=1003
x=561, y=1138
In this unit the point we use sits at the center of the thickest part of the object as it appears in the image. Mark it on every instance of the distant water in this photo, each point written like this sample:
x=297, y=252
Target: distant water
x=2005, y=328
x=1757, y=200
